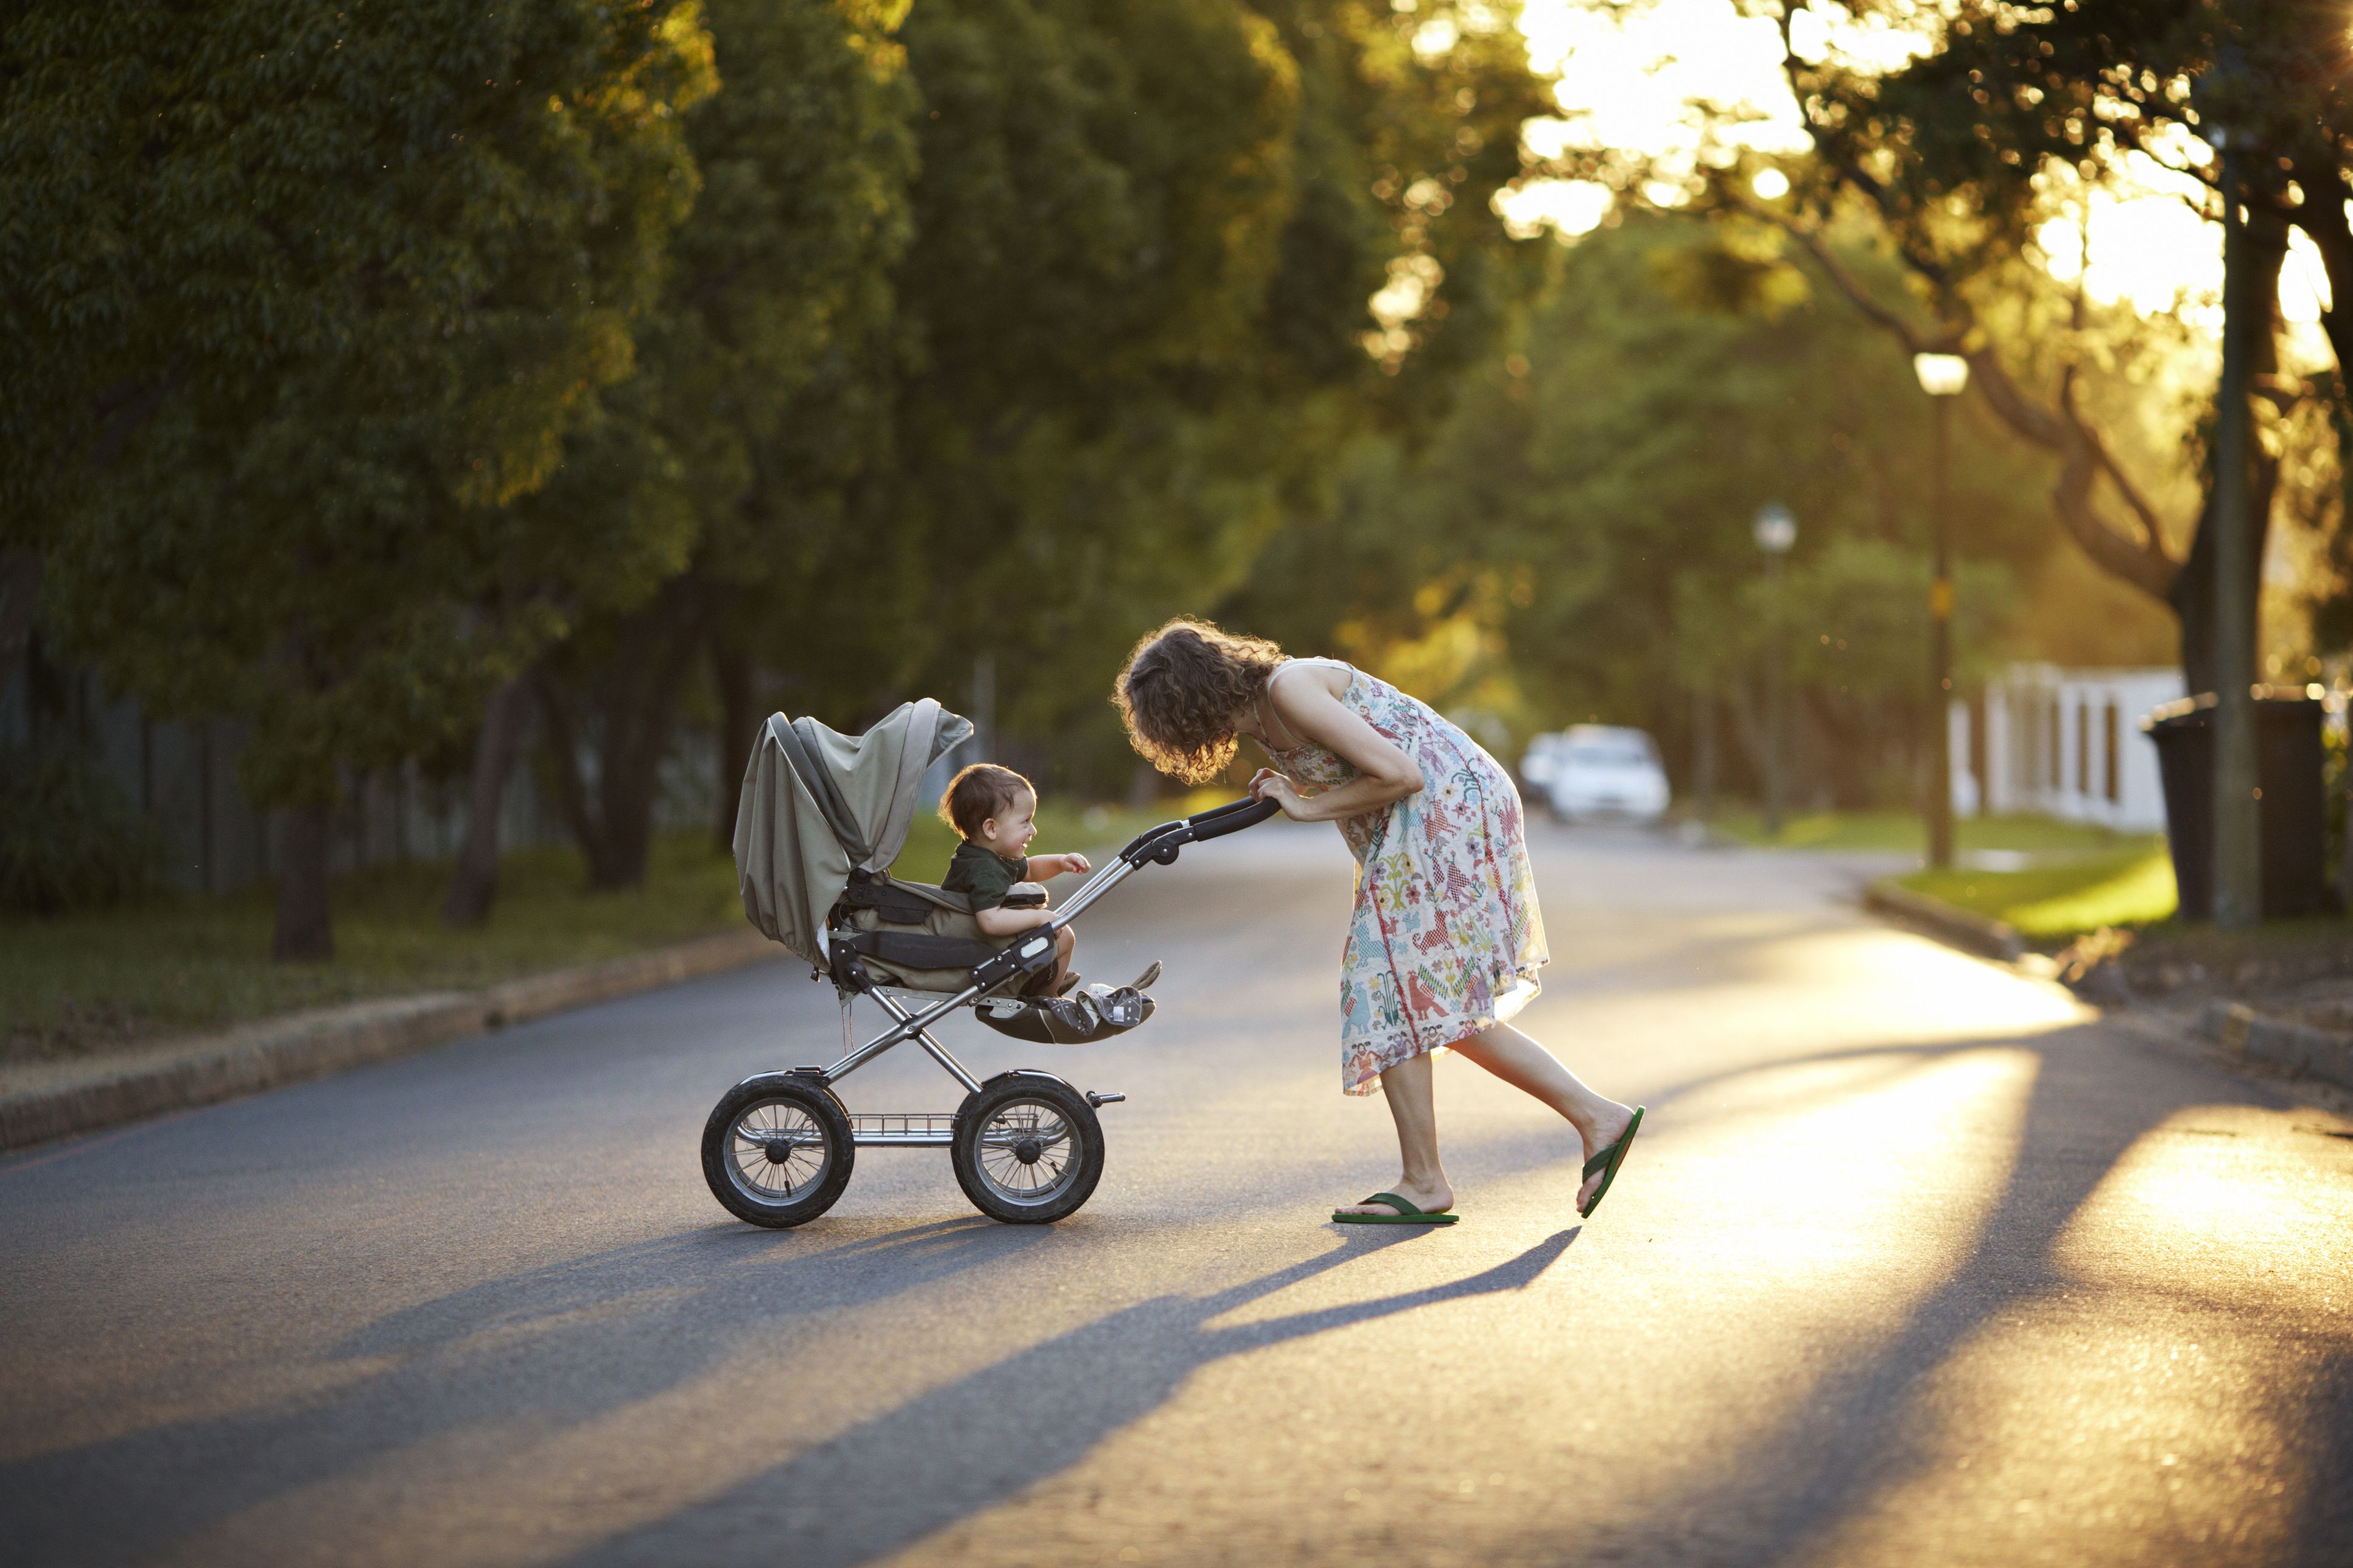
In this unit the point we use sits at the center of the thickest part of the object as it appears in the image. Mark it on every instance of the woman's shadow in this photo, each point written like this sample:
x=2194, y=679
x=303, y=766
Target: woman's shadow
x=892, y=1481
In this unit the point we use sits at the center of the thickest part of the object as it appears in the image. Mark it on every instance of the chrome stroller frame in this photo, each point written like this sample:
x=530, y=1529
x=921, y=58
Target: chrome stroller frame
x=1026, y=1147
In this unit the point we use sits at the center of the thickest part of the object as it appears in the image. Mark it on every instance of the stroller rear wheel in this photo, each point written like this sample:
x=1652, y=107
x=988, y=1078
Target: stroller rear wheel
x=1027, y=1150
x=776, y=1151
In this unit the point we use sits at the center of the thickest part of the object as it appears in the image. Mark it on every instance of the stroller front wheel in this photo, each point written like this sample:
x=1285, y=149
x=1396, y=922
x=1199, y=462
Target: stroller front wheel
x=1027, y=1150
x=777, y=1151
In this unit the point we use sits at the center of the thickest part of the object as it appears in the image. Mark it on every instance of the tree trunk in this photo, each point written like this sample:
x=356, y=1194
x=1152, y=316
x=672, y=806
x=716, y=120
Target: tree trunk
x=731, y=669
x=20, y=594
x=474, y=885
x=1748, y=728
x=2192, y=596
x=305, y=932
x=633, y=695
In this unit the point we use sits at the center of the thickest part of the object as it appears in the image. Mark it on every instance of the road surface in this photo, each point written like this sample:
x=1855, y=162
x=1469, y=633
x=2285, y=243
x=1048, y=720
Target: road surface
x=1916, y=1262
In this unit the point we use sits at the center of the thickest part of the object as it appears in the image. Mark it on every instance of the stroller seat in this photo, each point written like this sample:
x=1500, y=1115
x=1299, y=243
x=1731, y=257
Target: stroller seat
x=914, y=935
x=917, y=937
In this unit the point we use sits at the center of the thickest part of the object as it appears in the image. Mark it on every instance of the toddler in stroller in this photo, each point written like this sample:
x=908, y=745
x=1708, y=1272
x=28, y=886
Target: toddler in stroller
x=995, y=811
x=822, y=816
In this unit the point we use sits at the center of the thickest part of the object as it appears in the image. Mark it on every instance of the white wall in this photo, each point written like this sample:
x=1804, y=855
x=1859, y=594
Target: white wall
x=2068, y=743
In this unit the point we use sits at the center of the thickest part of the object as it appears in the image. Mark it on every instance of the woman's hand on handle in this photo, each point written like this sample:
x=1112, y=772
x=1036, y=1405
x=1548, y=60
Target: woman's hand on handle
x=1272, y=785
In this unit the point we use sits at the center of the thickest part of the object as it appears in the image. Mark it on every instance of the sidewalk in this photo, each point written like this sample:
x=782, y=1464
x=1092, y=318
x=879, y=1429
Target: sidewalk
x=44, y=1100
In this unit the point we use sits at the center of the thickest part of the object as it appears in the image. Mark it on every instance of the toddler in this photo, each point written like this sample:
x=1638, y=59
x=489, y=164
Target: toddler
x=995, y=810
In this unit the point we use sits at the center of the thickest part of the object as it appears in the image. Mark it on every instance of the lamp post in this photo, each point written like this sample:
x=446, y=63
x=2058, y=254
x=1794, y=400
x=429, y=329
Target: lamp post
x=1942, y=377
x=1776, y=529
x=2238, y=821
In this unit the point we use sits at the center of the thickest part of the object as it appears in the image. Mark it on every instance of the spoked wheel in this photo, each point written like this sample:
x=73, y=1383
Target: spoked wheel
x=1028, y=1150
x=777, y=1151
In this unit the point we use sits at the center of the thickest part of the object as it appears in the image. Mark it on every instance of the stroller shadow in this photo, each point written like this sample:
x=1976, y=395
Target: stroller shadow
x=890, y=1481
x=649, y=1315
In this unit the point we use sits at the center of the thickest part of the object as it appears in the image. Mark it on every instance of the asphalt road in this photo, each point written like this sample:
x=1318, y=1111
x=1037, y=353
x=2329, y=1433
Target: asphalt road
x=1914, y=1263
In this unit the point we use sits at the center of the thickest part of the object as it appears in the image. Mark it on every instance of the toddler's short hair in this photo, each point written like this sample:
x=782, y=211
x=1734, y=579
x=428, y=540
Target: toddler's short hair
x=980, y=791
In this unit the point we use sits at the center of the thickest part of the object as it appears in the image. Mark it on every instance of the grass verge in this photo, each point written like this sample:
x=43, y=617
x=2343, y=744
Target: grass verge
x=1904, y=833
x=2047, y=904
x=78, y=984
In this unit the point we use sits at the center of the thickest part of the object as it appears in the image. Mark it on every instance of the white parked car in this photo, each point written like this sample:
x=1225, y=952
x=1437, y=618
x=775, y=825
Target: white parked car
x=1590, y=771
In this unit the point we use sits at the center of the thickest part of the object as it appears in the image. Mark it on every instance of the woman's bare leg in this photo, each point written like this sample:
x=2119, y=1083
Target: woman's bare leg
x=1529, y=1067
x=1413, y=1105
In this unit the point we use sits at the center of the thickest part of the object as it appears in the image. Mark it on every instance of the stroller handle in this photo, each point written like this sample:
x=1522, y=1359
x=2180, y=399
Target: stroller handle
x=1160, y=844
x=1232, y=817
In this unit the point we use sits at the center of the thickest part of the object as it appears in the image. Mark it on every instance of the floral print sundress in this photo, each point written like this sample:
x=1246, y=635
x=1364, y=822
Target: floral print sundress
x=1446, y=940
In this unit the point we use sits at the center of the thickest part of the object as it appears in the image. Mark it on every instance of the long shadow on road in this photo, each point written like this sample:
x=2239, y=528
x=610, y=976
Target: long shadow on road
x=572, y=1339
x=1868, y=1429
x=591, y=1335
x=895, y=1480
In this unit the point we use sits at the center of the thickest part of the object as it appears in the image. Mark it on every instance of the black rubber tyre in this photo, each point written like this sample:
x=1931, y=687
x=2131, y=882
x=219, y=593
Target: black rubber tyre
x=1027, y=1150
x=776, y=1151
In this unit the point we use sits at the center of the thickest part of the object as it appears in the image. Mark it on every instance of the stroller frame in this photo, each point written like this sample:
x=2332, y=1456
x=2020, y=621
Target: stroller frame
x=782, y=1123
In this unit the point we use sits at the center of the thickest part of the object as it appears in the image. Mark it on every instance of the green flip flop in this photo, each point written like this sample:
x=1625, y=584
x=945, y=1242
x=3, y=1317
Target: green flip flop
x=1608, y=1161
x=1406, y=1214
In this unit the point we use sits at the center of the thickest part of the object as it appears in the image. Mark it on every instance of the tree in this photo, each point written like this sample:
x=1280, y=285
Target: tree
x=1573, y=538
x=782, y=269
x=2005, y=118
x=298, y=304
x=1107, y=468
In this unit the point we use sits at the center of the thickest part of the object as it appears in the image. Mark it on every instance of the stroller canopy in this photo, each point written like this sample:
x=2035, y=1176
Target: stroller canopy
x=818, y=804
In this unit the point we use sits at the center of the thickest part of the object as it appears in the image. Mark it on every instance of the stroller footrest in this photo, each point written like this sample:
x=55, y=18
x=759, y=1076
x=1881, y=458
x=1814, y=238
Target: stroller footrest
x=902, y=1128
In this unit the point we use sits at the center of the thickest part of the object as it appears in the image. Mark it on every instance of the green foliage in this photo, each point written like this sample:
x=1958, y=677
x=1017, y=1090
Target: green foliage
x=374, y=356
x=2007, y=118
x=1574, y=541
x=300, y=303
x=68, y=838
x=1130, y=340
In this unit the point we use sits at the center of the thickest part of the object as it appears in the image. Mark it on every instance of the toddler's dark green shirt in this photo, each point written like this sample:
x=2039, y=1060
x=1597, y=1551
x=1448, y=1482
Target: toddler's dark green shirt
x=982, y=876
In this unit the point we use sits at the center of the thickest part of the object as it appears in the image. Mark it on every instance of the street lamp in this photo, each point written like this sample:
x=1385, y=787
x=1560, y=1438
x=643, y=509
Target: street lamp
x=1942, y=377
x=1776, y=529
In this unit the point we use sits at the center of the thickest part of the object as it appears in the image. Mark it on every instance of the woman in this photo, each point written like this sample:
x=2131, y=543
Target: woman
x=1445, y=941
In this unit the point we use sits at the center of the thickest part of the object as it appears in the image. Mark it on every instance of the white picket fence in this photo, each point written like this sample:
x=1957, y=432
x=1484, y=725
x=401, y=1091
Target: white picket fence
x=2066, y=743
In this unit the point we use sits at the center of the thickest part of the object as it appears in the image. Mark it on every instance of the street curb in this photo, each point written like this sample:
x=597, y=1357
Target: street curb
x=1963, y=927
x=2308, y=1052
x=314, y=1044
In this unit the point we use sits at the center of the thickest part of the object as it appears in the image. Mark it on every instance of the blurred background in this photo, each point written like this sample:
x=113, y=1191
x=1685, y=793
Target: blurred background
x=437, y=437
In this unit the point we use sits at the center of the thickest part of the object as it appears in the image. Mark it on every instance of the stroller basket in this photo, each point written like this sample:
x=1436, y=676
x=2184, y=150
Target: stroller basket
x=902, y=1128
x=821, y=811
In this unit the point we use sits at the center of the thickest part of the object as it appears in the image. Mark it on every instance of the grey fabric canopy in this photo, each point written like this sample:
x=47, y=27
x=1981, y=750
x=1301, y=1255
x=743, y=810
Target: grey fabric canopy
x=817, y=805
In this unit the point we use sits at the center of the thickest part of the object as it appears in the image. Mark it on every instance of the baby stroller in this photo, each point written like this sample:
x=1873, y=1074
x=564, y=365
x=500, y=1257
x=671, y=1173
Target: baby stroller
x=823, y=816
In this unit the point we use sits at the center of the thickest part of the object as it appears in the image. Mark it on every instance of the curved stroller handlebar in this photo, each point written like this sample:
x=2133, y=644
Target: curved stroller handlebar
x=1232, y=817
x=1160, y=844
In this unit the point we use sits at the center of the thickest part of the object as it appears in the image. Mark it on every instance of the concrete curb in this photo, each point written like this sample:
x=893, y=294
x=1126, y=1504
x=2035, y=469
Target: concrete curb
x=177, y=1074
x=1978, y=934
x=2308, y=1052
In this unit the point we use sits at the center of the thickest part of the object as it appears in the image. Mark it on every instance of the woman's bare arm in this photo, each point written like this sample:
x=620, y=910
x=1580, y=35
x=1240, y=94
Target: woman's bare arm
x=1308, y=708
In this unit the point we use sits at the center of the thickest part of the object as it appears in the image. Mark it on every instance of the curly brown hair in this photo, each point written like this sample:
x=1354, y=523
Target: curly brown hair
x=980, y=791
x=1181, y=691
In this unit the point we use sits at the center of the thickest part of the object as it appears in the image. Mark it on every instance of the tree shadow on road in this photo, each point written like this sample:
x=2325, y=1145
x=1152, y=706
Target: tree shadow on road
x=920, y=1467
x=1868, y=1428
